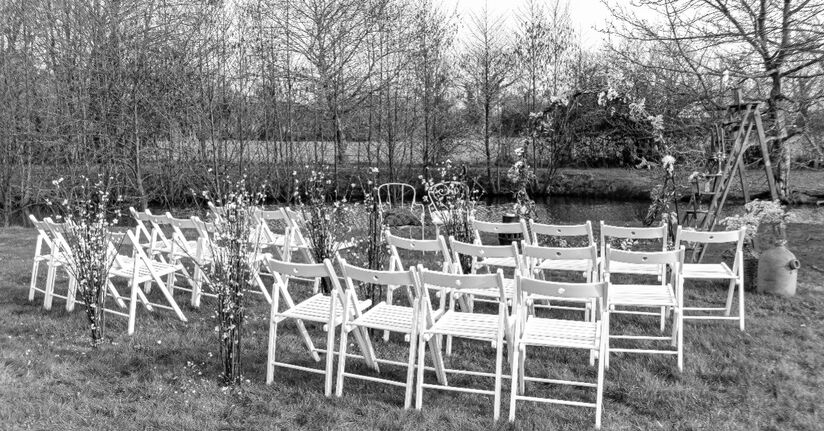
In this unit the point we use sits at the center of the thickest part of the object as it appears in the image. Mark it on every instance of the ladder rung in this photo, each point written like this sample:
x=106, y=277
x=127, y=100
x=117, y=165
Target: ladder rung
x=697, y=211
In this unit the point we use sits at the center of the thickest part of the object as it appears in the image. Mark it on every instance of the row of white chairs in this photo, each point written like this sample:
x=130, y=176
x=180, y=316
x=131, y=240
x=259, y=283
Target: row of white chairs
x=515, y=326
x=155, y=256
x=532, y=233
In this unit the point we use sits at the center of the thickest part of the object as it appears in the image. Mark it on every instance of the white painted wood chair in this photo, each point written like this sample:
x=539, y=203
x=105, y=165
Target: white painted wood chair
x=539, y=259
x=631, y=235
x=139, y=269
x=440, y=258
x=204, y=256
x=629, y=298
x=189, y=245
x=498, y=229
x=563, y=233
x=326, y=310
x=404, y=319
x=151, y=231
x=533, y=331
x=271, y=239
x=477, y=253
x=56, y=231
x=489, y=328
x=47, y=251
x=716, y=271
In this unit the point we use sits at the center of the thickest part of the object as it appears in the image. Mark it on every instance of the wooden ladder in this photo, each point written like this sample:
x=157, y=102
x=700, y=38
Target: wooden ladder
x=748, y=120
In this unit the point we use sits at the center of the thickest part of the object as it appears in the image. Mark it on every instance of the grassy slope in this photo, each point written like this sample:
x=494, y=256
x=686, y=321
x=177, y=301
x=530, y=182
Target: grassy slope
x=165, y=377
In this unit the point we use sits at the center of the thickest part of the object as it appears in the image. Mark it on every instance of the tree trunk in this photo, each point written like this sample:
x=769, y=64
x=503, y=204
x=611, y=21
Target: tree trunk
x=778, y=110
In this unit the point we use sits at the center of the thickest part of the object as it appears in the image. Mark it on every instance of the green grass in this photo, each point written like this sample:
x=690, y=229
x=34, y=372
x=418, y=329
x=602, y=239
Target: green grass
x=167, y=375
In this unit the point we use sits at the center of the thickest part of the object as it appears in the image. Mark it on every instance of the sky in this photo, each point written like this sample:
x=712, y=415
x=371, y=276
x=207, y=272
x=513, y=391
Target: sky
x=585, y=14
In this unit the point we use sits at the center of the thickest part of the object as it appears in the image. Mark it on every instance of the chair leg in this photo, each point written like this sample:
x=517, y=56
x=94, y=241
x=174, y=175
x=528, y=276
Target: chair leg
x=499, y=359
x=330, y=356
x=133, y=305
x=663, y=318
x=437, y=359
x=599, y=395
x=522, y=367
x=730, y=295
x=344, y=335
x=270, y=357
x=35, y=268
x=196, y=286
x=70, y=296
x=47, y=299
x=419, y=383
x=741, y=305
x=410, y=369
x=514, y=389
x=680, y=324
x=307, y=339
x=605, y=356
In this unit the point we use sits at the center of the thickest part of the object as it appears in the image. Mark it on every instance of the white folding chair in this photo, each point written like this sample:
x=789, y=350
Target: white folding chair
x=404, y=319
x=268, y=239
x=477, y=253
x=498, y=229
x=206, y=249
x=440, y=258
x=631, y=235
x=150, y=232
x=489, y=328
x=562, y=235
x=326, y=310
x=628, y=298
x=189, y=244
x=539, y=259
x=716, y=271
x=48, y=251
x=139, y=269
x=534, y=331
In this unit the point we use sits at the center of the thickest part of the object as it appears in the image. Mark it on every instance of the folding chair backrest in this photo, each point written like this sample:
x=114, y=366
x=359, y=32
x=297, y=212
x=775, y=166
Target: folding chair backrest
x=533, y=254
x=609, y=232
x=673, y=258
x=217, y=212
x=142, y=230
x=386, y=279
x=295, y=217
x=477, y=251
x=463, y=281
x=436, y=246
x=42, y=228
x=182, y=227
x=496, y=228
x=302, y=270
x=704, y=237
x=56, y=233
x=558, y=230
x=561, y=290
x=383, y=278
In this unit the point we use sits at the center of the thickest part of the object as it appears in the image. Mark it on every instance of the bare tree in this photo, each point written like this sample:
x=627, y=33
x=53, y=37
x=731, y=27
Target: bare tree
x=766, y=41
x=488, y=65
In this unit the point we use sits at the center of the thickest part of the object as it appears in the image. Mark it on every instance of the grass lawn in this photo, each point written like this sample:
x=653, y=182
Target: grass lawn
x=166, y=376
